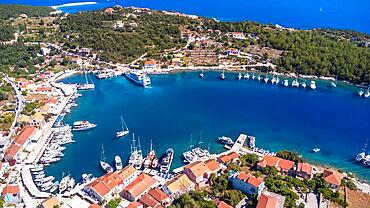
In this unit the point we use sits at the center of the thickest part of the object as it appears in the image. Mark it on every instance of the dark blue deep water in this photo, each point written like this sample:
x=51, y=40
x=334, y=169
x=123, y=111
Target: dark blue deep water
x=305, y=14
x=178, y=105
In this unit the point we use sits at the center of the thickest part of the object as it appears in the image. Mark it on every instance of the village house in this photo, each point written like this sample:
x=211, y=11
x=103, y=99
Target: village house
x=231, y=157
x=127, y=175
x=282, y=165
x=11, y=194
x=198, y=173
x=109, y=10
x=304, y=170
x=270, y=200
x=103, y=187
x=137, y=188
x=135, y=204
x=179, y=185
x=333, y=178
x=76, y=60
x=160, y=196
x=148, y=201
x=233, y=52
x=222, y=204
x=214, y=166
x=150, y=65
x=247, y=183
x=238, y=35
x=19, y=143
x=51, y=202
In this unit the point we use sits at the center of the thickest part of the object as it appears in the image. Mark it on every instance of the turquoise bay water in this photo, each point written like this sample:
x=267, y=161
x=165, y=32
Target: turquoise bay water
x=178, y=105
x=343, y=14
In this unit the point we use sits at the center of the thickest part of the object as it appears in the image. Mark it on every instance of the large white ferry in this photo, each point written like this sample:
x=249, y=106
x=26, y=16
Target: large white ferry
x=139, y=78
x=82, y=125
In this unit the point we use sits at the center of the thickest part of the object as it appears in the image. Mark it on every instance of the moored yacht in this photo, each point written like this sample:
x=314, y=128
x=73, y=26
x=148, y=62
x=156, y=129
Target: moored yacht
x=312, y=85
x=136, y=157
x=246, y=76
x=138, y=78
x=151, y=156
x=286, y=83
x=239, y=76
x=222, y=75
x=104, y=165
x=166, y=160
x=86, y=85
x=118, y=162
x=295, y=83
x=360, y=93
x=82, y=125
x=226, y=140
x=367, y=94
x=201, y=74
x=303, y=84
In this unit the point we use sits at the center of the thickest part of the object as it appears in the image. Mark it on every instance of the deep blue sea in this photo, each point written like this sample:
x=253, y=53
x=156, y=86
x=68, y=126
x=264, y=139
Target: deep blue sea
x=179, y=105
x=304, y=14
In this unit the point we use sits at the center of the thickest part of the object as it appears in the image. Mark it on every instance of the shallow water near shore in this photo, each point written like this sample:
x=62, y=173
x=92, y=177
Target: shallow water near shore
x=178, y=105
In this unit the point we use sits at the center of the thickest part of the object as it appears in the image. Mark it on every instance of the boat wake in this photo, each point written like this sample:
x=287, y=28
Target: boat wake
x=74, y=4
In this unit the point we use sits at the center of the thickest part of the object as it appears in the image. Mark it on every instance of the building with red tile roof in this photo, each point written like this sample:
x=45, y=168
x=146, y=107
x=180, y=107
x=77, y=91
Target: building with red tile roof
x=160, y=196
x=304, y=170
x=198, y=172
x=102, y=187
x=213, y=165
x=109, y=10
x=11, y=194
x=11, y=153
x=127, y=175
x=150, y=65
x=26, y=133
x=222, y=204
x=282, y=165
x=333, y=178
x=148, y=201
x=231, y=157
x=270, y=200
x=140, y=186
x=135, y=205
x=247, y=183
x=94, y=206
x=177, y=186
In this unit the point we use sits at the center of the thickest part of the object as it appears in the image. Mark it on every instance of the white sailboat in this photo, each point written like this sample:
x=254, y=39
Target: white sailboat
x=367, y=94
x=201, y=74
x=334, y=84
x=246, y=76
x=222, y=76
x=124, y=131
x=136, y=157
x=360, y=93
x=87, y=85
x=103, y=164
x=239, y=76
x=266, y=79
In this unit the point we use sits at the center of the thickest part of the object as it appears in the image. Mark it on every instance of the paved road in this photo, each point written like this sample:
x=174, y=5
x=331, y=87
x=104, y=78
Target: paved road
x=20, y=102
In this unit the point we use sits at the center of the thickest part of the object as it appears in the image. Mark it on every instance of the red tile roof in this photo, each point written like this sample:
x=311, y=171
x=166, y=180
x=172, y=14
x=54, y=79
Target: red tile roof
x=212, y=165
x=12, y=150
x=332, y=177
x=23, y=136
x=149, y=201
x=134, y=205
x=229, y=157
x=248, y=178
x=150, y=62
x=158, y=194
x=267, y=201
x=142, y=183
x=222, y=204
x=277, y=162
x=105, y=183
x=10, y=189
x=94, y=206
x=198, y=168
x=305, y=168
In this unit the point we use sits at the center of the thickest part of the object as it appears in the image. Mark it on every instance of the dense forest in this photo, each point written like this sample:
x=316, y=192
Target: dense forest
x=141, y=34
x=6, y=31
x=315, y=52
x=13, y=10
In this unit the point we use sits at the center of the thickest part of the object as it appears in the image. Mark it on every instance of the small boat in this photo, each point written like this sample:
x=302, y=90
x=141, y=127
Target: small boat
x=47, y=186
x=201, y=74
x=295, y=83
x=222, y=75
x=124, y=131
x=86, y=85
x=360, y=93
x=63, y=183
x=266, y=79
x=273, y=80
x=312, y=85
x=118, y=162
x=286, y=83
x=332, y=84
x=303, y=84
x=367, y=94
x=253, y=76
x=37, y=168
x=165, y=161
x=225, y=140
x=55, y=187
x=82, y=125
x=316, y=149
x=277, y=80
x=239, y=76
x=71, y=183
x=246, y=76
x=360, y=156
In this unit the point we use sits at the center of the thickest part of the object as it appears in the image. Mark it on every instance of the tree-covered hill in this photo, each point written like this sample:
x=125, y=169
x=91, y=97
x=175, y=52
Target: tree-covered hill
x=13, y=10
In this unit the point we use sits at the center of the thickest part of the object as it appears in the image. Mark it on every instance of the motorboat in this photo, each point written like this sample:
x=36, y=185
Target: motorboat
x=226, y=140
x=286, y=83
x=312, y=85
x=246, y=76
x=222, y=75
x=82, y=125
x=166, y=160
x=316, y=150
x=118, y=162
x=295, y=83
x=239, y=76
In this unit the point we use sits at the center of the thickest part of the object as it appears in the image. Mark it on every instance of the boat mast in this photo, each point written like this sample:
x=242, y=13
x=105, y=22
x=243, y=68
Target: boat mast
x=138, y=145
x=102, y=157
x=133, y=147
x=200, y=140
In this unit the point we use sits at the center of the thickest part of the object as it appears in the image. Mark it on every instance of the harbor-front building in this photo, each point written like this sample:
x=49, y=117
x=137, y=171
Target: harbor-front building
x=137, y=188
x=247, y=183
x=150, y=65
x=103, y=187
x=333, y=178
x=270, y=200
x=11, y=195
x=304, y=170
x=198, y=173
x=282, y=165
x=178, y=186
